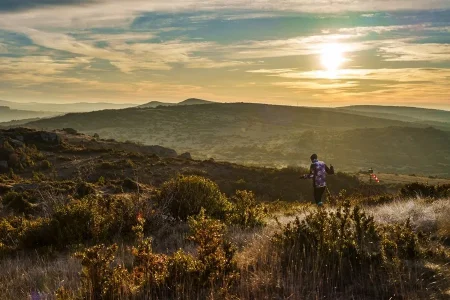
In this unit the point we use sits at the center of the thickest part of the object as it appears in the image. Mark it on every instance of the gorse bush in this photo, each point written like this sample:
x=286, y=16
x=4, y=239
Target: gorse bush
x=186, y=195
x=159, y=276
x=345, y=250
x=84, y=221
x=246, y=212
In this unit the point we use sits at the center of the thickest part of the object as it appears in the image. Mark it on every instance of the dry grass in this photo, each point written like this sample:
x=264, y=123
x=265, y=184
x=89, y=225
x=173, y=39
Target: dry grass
x=425, y=215
x=23, y=276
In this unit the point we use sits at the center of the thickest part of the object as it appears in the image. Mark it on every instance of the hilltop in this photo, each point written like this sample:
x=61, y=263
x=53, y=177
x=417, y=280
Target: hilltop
x=271, y=135
x=190, y=101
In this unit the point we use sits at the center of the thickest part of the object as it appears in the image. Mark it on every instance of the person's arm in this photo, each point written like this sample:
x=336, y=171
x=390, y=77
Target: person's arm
x=330, y=171
x=311, y=173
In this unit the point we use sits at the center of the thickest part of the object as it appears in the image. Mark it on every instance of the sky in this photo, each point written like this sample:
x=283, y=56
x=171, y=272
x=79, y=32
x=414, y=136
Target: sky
x=290, y=52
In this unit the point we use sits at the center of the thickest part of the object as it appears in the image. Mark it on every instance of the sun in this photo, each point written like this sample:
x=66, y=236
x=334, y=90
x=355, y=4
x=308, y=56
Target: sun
x=332, y=57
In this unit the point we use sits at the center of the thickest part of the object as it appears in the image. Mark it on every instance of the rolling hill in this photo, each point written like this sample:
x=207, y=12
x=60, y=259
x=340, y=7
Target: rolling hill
x=433, y=117
x=63, y=107
x=272, y=135
x=190, y=101
x=7, y=114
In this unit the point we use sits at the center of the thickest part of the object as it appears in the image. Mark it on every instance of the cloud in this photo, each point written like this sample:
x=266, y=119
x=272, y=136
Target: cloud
x=304, y=45
x=317, y=85
x=265, y=5
x=12, y=5
x=206, y=63
x=411, y=75
x=404, y=51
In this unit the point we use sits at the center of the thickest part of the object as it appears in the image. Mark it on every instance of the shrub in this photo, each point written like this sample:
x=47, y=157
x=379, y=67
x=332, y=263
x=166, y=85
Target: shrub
x=84, y=189
x=45, y=165
x=246, y=212
x=345, y=250
x=17, y=202
x=186, y=195
x=130, y=185
x=425, y=190
x=159, y=276
x=101, y=180
x=76, y=222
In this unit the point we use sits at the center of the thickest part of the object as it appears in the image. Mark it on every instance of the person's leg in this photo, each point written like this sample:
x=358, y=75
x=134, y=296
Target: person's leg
x=318, y=193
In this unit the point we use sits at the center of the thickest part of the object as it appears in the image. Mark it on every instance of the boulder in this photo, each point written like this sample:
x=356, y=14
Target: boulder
x=160, y=151
x=50, y=137
x=185, y=155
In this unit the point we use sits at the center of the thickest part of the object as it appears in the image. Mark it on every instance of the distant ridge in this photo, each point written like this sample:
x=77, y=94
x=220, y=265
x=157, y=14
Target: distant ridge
x=190, y=101
x=403, y=113
x=63, y=107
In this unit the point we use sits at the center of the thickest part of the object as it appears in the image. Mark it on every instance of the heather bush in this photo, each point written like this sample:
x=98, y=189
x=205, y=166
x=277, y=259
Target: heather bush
x=186, y=195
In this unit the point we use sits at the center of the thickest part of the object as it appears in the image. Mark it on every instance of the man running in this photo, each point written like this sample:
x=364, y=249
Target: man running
x=318, y=172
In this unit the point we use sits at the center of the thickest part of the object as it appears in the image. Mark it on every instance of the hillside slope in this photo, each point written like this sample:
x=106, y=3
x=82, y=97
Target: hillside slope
x=403, y=113
x=271, y=135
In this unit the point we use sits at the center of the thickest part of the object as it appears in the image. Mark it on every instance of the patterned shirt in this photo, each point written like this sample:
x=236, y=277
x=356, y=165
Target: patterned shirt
x=318, y=172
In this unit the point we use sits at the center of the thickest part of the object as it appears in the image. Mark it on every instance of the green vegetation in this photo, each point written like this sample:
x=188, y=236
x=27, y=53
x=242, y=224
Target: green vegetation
x=269, y=135
x=134, y=225
x=187, y=195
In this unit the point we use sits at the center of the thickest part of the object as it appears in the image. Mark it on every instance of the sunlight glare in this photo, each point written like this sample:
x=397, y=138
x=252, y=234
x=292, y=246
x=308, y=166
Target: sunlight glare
x=332, y=57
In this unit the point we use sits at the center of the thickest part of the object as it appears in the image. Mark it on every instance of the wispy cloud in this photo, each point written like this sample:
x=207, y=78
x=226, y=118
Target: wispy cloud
x=404, y=51
x=394, y=75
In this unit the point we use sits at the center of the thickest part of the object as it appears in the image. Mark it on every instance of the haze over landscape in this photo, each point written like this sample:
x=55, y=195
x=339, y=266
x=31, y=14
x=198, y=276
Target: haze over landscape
x=163, y=149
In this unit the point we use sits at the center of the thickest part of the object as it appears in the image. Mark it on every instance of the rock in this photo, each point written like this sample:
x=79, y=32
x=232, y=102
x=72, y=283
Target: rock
x=19, y=138
x=16, y=143
x=50, y=137
x=160, y=151
x=185, y=155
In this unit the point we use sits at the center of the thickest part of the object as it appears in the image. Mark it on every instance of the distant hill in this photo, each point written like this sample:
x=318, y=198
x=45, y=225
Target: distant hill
x=190, y=101
x=195, y=101
x=154, y=104
x=7, y=114
x=63, y=107
x=271, y=135
x=412, y=114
